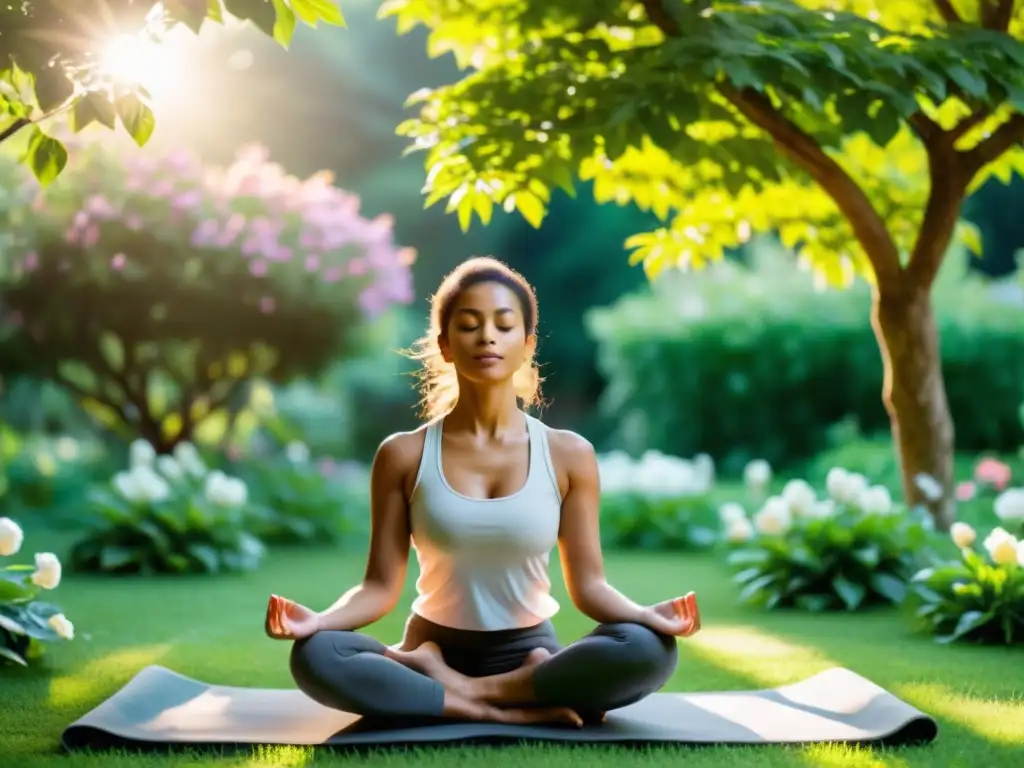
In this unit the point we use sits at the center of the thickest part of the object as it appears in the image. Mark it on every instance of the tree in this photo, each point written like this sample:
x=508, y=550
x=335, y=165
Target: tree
x=853, y=128
x=155, y=288
x=51, y=60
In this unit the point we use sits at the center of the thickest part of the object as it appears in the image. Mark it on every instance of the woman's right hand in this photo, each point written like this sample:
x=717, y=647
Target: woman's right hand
x=288, y=620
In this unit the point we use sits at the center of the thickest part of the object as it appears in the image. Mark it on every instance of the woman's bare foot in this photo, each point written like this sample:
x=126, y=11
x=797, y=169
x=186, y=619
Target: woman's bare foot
x=461, y=708
x=429, y=660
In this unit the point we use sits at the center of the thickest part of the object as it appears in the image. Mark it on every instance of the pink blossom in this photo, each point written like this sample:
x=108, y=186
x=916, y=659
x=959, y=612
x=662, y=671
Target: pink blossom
x=267, y=304
x=993, y=472
x=118, y=261
x=258, y=268
x=312, y=263
x=966, y=491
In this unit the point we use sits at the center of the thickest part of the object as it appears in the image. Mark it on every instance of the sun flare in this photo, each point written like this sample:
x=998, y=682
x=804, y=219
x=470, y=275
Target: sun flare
x=134, y=60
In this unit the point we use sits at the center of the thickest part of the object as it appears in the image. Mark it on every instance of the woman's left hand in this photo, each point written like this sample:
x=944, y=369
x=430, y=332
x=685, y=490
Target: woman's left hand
x=678, y=617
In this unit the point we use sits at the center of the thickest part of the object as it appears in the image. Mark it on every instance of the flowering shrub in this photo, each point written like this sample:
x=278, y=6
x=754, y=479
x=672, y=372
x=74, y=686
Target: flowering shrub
x=848, y=550
x=656, y=502
x=168, y=514
x=26, y=621
x=301, y=502
x=973, y=598
x=155, y=288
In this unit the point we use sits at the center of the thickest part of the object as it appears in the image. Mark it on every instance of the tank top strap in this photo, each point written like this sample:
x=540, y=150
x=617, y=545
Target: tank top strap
x=430, y=459
x=542, y=466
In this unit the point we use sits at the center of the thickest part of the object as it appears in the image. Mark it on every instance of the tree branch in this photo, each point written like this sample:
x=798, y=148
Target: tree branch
x=942, y=212
x=947, y=12
x=997, y=15
x=801, y=148
x=1002, y=139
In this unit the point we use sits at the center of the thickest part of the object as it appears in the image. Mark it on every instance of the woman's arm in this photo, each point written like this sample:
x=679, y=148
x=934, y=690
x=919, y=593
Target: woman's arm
x=388, y=558
x=579, y=536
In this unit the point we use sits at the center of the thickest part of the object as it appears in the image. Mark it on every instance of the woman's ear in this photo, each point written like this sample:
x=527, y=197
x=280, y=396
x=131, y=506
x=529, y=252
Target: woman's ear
x=444, y=347
x=531, y=345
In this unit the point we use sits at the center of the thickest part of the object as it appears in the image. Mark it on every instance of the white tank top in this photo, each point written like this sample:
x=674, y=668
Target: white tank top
x=484, y=562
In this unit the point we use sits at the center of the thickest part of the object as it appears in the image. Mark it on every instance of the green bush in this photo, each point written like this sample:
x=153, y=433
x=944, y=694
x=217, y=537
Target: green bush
x=26, y=622
x=747, y=363
x=973, y=598
x=657, y=502
x=299, y=501
x=849, y=550
x=169, y=515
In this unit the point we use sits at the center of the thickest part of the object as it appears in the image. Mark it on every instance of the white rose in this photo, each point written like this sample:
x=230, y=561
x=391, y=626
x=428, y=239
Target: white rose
x=876, y=500
x=225, y=491
x=739, y=530
x=124, y=483
x=141, y=453
x=1009, y=505
x=774, y=518
x=962, y=534
x=1001, y=547
x=854, y=487
x=188, y=457
x=11, y=537
x=835, y=483
x=64, y=628
x=152, y=487
x=169, y=467
x=730, y=512
x=800, y=496
x=757, y=474
x=297, y=452
x=48, y=571
x=824, y=508
x=658, y=475
x=704, y=466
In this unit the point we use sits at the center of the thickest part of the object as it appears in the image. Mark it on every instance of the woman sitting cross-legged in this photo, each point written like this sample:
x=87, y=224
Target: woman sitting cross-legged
x=483, y=492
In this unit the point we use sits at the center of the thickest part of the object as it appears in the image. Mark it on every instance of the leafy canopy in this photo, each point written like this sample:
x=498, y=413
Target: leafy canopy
x=51, y=60
x=823, y=120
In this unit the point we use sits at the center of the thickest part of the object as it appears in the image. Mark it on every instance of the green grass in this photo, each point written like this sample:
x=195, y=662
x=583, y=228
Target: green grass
x=211, y=628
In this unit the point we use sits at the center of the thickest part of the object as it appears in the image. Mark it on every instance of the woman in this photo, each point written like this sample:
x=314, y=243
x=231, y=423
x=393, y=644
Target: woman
x=483, y=492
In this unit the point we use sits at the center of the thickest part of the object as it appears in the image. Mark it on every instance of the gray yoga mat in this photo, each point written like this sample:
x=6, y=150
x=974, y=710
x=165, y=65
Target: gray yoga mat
x=159, y=707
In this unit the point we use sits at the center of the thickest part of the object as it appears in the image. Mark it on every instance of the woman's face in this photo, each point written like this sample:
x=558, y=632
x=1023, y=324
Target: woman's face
x=486, y=336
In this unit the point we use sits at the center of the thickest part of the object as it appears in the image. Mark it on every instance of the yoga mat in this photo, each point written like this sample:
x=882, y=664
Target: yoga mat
x=159, y=707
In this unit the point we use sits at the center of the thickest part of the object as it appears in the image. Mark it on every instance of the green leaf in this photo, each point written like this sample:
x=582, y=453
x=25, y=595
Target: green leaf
x=851, y=593
x=314, y=11
x=11, y=591
x=814, y=603
x=868, y=555
x=284, y=25
x=260, y=12
x=888, y=586
x=136, y=117
x=967, y=623
x=46, y=156
x=191, y=13
x=114, y=557
x=93, y=107
x=7, y=653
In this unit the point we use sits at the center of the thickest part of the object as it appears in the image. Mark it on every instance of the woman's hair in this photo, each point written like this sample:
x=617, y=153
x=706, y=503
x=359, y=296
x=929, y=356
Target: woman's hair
x=438, y=383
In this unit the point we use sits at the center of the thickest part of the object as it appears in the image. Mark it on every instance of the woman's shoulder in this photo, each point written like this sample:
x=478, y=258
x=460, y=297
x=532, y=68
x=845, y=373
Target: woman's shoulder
x=401, y=451
x=568, y=448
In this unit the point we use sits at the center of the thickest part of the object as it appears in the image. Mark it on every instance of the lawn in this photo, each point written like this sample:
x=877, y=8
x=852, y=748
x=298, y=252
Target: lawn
x=211, y=628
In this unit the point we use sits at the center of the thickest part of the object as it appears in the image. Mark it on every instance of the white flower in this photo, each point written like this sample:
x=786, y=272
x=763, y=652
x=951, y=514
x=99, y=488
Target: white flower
x=140, y=484
x=929, y=486
x=11, y=537
x=64, y=628
x=824, y=508
x=189, y=459
x=48, y=571
x=297, y=452
x=1001, y=547
x=704, y=466
x=1009, y=505
x=757, y=474
x=730, y=512
x=835, y=483
x=225, y=491
x=854, y=488
x=800, y=497
x=616, y=472
x=141, y=453
x=169, y=467
x=774, y=518
x=739, y=530
x=962, y=534
x=875, y=500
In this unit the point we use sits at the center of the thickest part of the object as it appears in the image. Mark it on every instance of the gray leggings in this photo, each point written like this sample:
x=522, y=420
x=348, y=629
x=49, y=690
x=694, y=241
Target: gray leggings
x=613, y=666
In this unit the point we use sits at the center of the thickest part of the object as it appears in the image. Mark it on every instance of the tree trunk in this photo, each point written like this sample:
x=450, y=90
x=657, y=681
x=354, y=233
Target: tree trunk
x=914, y=394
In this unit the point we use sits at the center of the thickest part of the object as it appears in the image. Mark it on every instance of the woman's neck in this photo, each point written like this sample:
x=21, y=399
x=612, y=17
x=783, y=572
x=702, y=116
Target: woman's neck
x=487, y=411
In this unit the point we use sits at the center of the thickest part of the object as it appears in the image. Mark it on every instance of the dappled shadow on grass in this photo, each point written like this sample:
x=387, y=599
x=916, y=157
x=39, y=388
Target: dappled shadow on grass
x=797, y=646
